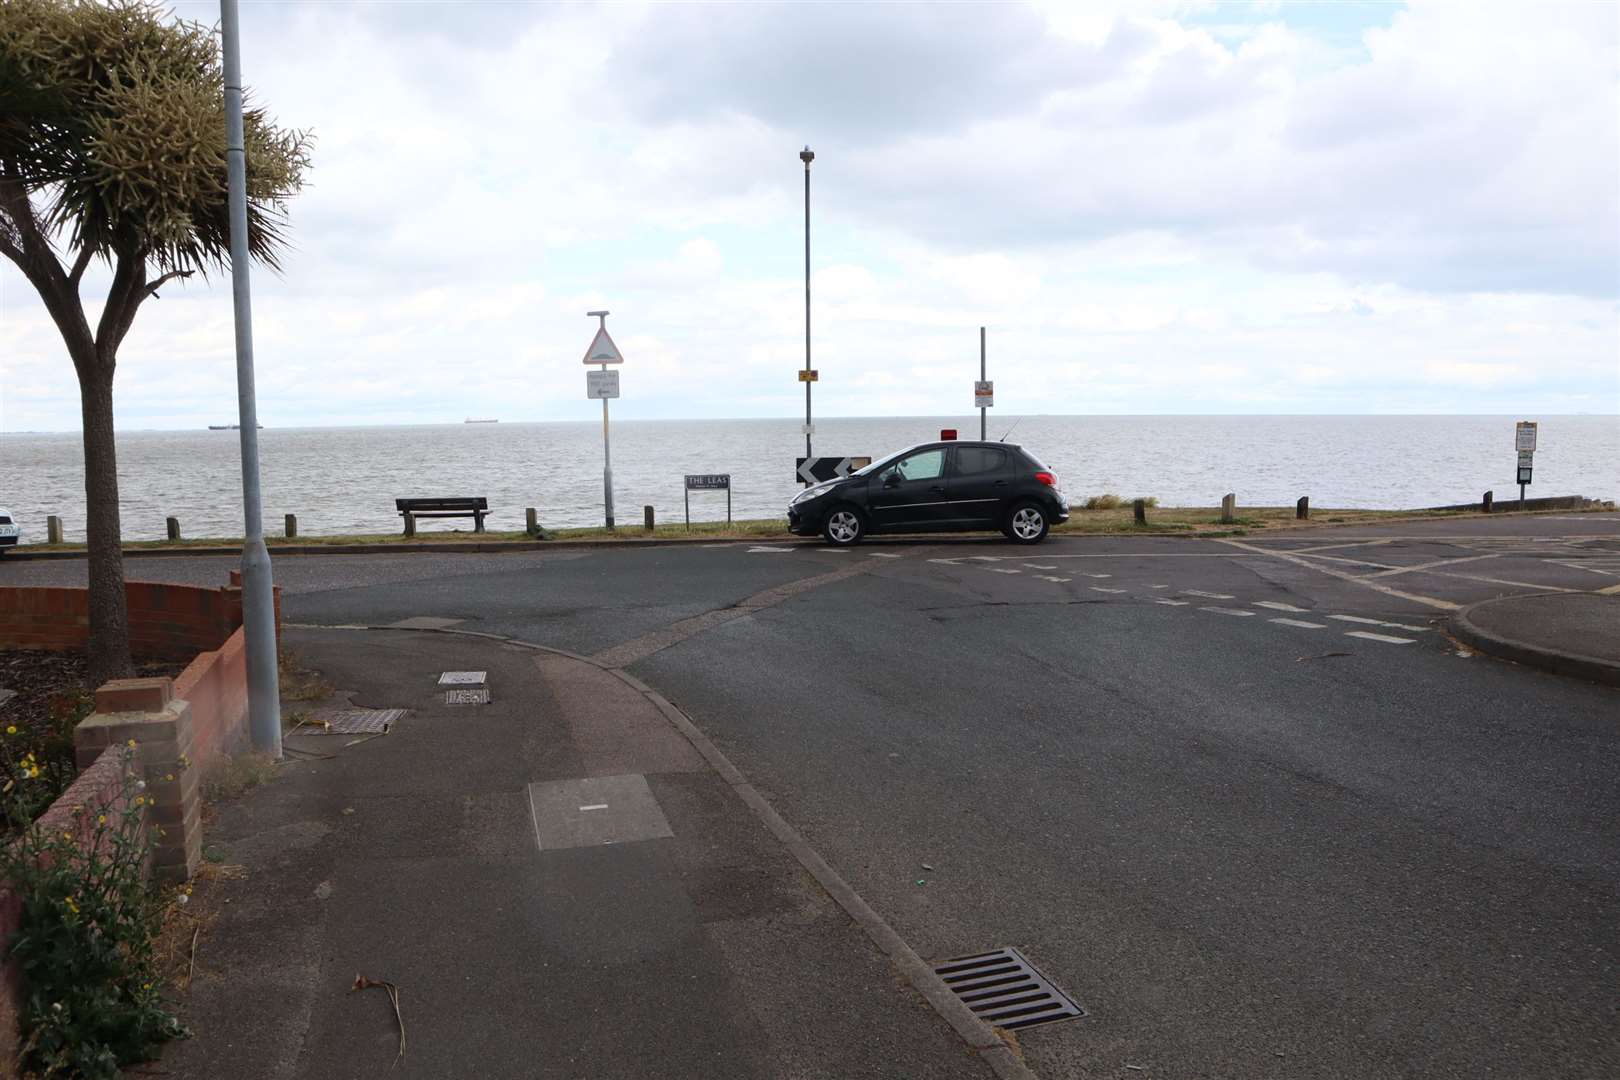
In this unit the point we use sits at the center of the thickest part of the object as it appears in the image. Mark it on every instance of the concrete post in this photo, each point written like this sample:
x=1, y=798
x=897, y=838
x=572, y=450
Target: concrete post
x=647, y=518
x=53, y=529
x=174, y=528
x=531, y=521
x=291, y=525
x=1485, y=503
x=1302, y=509
x=1228, y=508
x=410, y=523
x=1139, y=509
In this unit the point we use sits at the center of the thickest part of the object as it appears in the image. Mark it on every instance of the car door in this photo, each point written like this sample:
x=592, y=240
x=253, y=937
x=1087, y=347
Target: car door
x=910, y=494
x=980, y=483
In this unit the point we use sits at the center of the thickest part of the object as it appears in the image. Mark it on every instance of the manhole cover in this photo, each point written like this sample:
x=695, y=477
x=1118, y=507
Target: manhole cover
x=478, y=696
x=462, y=678
x=1004, y=989
x=351, y=722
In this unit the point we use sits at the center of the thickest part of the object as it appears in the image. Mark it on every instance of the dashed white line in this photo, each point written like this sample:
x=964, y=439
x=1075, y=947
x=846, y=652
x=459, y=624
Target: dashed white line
x=1207, y=595
x=1038, y=566
x=884, y=555
x=595, y=806
x=1275, y=606
x=1386, y=638
x=1228, y=611
x=1300, y=623
x=1158, y=586
x=985, y=558
x=1173, y=603
x=770, y=550
x=1003, y=570
x=1099, y=588
x=947, y=562
x=1099, y=575
x=1049, y=577
x=1380, y=622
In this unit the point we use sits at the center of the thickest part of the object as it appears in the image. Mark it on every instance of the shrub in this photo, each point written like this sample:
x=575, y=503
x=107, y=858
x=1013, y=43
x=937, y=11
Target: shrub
x=1104, y=502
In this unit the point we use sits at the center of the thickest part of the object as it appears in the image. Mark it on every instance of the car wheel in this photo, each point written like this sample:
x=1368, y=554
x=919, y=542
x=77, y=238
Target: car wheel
x=843, y=526
x=1027, y=524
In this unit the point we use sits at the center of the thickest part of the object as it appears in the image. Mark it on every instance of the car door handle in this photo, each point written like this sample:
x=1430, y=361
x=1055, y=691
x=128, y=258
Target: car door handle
x=937, y=488
x=1001, y=483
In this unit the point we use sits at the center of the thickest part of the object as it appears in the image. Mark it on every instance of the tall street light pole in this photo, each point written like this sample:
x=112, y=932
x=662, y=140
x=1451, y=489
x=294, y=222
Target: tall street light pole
x=807, y=156
x=258, y=594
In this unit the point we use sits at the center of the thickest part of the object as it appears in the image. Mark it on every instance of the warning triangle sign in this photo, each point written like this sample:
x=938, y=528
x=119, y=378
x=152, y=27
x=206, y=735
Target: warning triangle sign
x=602, y=350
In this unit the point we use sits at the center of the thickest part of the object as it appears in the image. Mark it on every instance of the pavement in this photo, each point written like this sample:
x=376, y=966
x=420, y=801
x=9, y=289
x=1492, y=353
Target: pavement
x=1571, y=633
x=1244, y=799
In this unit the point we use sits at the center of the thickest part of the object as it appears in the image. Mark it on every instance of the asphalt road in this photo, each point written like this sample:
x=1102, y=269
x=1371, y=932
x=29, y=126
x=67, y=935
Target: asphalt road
x=1241, y=798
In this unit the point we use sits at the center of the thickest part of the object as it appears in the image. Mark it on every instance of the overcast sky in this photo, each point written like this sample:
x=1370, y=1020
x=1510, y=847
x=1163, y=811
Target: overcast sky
x=1166, y=208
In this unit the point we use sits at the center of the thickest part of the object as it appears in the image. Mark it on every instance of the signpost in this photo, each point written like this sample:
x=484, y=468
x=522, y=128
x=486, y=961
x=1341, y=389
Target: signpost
x=707, y=482
x=599, y=384
x=815, y=470
x=1524, y=441
x=984, y=391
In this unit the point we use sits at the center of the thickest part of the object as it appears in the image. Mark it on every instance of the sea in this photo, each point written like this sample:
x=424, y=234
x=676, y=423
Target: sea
x=345, y=479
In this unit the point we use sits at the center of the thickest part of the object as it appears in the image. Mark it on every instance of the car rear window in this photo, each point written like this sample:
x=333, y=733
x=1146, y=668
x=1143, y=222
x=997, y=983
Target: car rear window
x=978, y=460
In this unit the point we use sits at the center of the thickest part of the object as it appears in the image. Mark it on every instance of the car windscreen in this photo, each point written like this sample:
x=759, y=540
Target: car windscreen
x=878, y=463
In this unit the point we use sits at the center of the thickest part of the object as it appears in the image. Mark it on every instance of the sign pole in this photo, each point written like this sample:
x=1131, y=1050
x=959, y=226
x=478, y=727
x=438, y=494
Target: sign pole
x=982, y=378
x=607, y=461
x=807, y=156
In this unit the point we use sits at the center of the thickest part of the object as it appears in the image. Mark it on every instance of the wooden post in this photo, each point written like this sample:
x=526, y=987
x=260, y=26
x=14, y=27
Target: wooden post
x=53, y=529
x=410, y=523
x=174, y=528
x=291, y=525
x=1486, y=502
x=531, y=521
x=1302, y=509
x=1139, y=510
x=647, y=518
x=1228, y=508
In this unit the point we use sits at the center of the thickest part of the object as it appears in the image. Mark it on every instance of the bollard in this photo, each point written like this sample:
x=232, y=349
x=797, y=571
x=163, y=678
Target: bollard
x=53, y=529
x=647, y=518
x=531, y=521
x=1228, y=508
x=174, y=528
x=290, y=525
x=1302, y=509
x=1140, y=509
x=1485, y=503
x=410, y=523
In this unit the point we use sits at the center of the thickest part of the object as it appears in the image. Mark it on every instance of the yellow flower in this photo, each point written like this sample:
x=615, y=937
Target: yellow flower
x=71, y=905
x=101, y=819
x=132, y=744
x=11, y=729
x=140, y=800
x=169, y=776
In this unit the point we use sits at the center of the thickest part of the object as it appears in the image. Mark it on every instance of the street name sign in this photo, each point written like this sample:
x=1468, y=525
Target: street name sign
x=815, y=470
x=602, y=350
x=601, y=384
x=708, y=481
x=984, y=394
x=1524, y=436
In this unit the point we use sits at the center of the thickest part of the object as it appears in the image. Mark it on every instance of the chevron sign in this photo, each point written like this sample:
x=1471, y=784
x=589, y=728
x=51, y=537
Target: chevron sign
x=815, y=470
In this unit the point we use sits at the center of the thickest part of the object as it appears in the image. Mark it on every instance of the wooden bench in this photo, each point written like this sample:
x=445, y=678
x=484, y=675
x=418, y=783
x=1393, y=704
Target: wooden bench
x=411, y=509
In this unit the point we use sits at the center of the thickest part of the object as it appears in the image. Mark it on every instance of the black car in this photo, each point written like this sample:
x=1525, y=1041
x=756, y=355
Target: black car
x=933, y=487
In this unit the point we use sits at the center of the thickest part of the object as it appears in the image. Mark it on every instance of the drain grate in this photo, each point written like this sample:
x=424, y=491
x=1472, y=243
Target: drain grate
x=1004, y=989
x=467, y=696
x=352, y=722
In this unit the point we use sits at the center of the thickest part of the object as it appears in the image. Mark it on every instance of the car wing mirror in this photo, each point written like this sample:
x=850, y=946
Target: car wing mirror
x=891, y=480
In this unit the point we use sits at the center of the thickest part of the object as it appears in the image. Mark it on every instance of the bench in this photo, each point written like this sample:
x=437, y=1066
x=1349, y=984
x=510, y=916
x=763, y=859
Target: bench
x=411, y=509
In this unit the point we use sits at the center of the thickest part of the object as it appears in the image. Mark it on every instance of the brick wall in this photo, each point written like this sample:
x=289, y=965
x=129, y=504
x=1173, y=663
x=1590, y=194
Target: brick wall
x=166, y=622
x=215, y=686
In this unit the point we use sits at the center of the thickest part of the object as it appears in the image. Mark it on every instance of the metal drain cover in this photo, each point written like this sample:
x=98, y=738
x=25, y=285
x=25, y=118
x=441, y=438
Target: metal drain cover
x=1004, y=989
x=463, y=678
x=467, y=696
x=352, y=722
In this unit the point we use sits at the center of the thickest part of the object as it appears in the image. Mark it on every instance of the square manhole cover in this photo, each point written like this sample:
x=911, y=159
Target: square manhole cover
x=1004, y=990
x=467, y=696
x=463, y=678
x=351, y=722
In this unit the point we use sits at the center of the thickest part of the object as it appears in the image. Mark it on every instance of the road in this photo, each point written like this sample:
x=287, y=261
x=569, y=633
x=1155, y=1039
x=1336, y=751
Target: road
x=1241, y=798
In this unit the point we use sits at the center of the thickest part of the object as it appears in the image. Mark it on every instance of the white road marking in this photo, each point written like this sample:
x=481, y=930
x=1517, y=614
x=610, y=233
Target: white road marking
x=837, y=551
x=1380, y=622
x=1431, y=565
x=1099, y=588
x=595, y=806
x=1275, y=606
x=947, y=562
x=1172, y=603
x=986, y=558
x=1049, y=577
x=1300, y=623
x=1003, y=570
x=1228, y=611
x=883, y=555
x=1207, y=595
x=1158, y=586
x=1431, y=601
x=770, y=550
x=1098, y=576
x=1385, y=638
x=1038, y=566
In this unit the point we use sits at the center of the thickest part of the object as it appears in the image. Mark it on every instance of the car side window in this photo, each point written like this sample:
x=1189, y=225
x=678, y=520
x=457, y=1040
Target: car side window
x=923, y=465
x=979, y=460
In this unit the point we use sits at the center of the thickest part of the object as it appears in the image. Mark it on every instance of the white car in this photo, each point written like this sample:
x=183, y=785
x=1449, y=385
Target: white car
x=10, y=531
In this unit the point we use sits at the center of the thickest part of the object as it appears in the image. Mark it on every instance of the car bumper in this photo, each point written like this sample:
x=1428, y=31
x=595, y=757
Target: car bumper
x=802, y=521
x=10, y=541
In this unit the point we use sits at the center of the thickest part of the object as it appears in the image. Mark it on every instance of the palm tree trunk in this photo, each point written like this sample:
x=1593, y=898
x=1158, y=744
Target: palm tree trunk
x=109, y=607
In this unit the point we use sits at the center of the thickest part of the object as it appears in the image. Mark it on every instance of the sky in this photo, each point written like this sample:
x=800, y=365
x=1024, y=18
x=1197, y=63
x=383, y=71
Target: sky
x=1153, y=208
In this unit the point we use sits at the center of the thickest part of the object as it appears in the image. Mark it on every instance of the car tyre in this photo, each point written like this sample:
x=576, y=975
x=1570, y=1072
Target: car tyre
x=1027, y=523
x=844, y=526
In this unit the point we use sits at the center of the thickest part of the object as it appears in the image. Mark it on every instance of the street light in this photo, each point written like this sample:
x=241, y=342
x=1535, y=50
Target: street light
x=807, y=156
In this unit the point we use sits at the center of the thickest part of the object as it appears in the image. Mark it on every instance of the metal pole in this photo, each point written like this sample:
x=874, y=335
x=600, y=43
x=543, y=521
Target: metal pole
x=981, y=379
x=607, y=462
x=1521, y=496
x=807, y=156
x=258, y=593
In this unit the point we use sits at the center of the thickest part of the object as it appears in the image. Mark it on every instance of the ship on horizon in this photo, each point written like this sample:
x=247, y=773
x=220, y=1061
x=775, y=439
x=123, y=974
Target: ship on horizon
x=470, y=420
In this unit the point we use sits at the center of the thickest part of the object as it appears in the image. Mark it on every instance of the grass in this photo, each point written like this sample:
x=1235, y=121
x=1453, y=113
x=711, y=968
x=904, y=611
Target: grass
x=232, y=777
x=299, y=683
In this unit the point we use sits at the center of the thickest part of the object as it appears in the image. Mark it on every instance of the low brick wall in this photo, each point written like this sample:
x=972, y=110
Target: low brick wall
x=100, y=789
x=215, y=686
x=166, y=622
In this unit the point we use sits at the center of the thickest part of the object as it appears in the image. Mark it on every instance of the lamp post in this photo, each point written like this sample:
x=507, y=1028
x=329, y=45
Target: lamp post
x=258, y=593
x=807, y=156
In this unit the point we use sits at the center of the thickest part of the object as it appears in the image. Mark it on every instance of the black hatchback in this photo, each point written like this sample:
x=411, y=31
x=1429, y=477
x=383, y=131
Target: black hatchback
x=936, y=487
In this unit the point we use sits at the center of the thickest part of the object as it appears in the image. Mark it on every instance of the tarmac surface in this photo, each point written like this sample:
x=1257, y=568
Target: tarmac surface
x=1243, y=798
